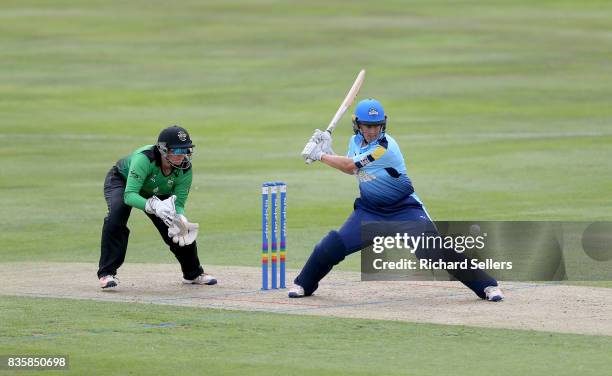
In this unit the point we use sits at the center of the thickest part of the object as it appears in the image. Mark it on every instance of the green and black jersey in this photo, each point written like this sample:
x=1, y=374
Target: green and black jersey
x=144, y=177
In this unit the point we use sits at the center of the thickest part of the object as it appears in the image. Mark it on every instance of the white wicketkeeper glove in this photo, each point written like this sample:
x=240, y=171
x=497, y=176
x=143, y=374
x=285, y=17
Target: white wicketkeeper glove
x=182, y=231
x=165, y=210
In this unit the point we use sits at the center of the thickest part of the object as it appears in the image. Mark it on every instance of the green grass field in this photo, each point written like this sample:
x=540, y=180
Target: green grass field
x=502, y=111
x=171, y=340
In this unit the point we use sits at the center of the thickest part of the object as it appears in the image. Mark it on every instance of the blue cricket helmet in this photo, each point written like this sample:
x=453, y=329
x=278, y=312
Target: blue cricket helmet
x=369, y=112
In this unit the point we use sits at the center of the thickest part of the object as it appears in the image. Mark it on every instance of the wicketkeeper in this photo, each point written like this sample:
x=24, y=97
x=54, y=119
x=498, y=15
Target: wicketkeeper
x=155, y=179
x=386, y=195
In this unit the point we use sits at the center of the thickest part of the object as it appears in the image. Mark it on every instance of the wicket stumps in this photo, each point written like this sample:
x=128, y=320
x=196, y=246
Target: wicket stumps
x=269, y=192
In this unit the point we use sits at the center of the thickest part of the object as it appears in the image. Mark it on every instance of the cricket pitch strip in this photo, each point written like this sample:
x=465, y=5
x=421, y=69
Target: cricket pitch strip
x=528, y=306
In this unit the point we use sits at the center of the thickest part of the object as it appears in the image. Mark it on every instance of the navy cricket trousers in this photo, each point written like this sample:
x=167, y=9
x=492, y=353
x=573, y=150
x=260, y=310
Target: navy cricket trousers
x=335, y=246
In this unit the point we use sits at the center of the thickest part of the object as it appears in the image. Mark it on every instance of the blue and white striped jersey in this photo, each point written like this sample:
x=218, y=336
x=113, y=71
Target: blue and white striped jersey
x=381, y=170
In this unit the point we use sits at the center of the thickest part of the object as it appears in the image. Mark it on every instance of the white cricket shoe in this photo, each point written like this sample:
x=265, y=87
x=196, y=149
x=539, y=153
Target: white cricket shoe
x=296, y=291
x=494, y=294
x=109, y=281
x=202, y=279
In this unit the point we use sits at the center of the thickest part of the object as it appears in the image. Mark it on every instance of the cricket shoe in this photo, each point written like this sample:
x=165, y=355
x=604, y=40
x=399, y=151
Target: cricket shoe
x=109, y=281
x=296, y=291
x=494, y=294
x=202, y=279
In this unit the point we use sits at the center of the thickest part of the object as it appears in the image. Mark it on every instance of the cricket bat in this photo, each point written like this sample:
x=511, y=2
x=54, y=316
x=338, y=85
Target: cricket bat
x=344, y=106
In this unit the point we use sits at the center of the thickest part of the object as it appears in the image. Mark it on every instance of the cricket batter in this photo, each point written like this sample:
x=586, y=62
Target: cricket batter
x=155, y=179
x=386, y=194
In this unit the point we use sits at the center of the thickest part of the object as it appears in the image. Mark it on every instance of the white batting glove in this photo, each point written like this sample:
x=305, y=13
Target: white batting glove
x=310, y=148
x=165, y=210
x=325, y=140
x=316, y=135
x=315, y=154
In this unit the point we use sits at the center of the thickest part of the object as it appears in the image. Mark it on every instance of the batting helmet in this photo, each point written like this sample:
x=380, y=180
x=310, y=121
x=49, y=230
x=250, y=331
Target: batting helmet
x=369, y=112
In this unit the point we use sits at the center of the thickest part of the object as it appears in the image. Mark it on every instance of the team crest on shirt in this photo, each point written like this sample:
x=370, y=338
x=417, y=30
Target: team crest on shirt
x=170, y=182
x=155, y=190
x=152, y=179
x=182, y=136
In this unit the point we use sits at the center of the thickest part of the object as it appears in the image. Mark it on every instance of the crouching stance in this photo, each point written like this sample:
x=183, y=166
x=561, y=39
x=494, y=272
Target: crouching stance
x=386, y=195
x=155, y=179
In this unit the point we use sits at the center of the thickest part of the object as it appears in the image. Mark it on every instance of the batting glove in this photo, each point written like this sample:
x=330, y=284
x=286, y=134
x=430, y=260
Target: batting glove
x=325, y=140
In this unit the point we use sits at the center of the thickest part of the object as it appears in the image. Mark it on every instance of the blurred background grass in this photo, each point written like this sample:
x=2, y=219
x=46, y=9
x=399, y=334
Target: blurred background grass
x=501, y=109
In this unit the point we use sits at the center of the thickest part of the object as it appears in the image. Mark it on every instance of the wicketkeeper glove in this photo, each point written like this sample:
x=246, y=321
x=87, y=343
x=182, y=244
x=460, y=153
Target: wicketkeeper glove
x=164, y=210
x=182, y=231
